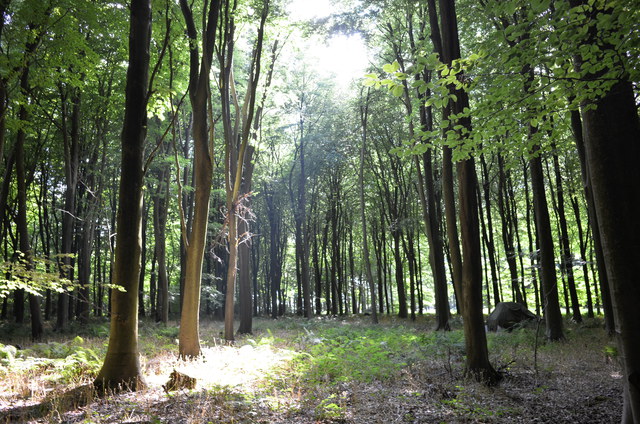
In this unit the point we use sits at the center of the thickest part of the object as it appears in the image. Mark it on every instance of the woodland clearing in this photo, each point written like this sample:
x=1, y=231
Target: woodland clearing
x=327, y=370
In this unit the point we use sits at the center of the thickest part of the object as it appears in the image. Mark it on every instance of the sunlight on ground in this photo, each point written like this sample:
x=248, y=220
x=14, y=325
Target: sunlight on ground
x=233, y=366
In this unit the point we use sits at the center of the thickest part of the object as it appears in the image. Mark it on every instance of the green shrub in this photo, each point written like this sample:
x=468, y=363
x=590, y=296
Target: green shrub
x=65, y=362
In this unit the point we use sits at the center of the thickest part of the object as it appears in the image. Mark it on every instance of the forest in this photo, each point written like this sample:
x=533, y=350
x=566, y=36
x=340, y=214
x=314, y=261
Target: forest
x=274, y=211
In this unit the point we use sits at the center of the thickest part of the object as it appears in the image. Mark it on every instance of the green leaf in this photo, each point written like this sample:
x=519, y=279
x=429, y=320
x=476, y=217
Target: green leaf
x=397, y=90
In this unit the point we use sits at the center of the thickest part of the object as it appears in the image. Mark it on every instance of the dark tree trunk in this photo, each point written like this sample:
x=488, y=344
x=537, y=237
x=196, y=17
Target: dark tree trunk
x=533, y=254
x=566, y=261
x=583, y=255
x=364, y=115
x=612, y=146
x=576, y=126
x=21, y=217
x=491, y=245
x=71, y=164
x=121, y=368
x=143, y=259
x=160, y=200
x=508, y=229
x=550, y=303
x=477, y=360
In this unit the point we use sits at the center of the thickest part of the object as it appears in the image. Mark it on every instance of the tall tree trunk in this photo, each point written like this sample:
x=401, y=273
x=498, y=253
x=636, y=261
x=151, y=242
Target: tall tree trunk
x=533, y=254
x=160, y=200
x=244, y=254
x=609, y=321
x=236, y=136
x=477, y=362
x=364, y=116
x=490, y=241
x=189, y=337
x=583, y=255
x=612, y=147
x=508, y=229
x=612, y=141
x=121, y=368
x=21, y=218
x=566, y=261
x=550, y=302
x=71, y=165
x=21, y=183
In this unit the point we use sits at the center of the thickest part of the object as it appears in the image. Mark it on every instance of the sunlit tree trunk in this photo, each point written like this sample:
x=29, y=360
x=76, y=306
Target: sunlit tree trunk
x=237, y=123
x=189, y=337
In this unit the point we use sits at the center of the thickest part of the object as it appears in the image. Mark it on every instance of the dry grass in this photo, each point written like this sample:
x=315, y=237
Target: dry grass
x=277, y=376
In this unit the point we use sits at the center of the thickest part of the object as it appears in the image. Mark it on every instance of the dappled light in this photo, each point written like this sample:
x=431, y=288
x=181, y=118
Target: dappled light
x=319, y=211
x=239, y=367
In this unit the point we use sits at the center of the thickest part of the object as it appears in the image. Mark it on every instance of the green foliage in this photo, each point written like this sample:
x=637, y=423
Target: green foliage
x=331, y=408
x=7, y=354
x=343, y=354
x=33, y=276
x=63, y=362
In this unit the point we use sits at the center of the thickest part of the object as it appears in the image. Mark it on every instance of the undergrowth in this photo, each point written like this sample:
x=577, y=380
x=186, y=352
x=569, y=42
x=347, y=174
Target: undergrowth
x=294, y=368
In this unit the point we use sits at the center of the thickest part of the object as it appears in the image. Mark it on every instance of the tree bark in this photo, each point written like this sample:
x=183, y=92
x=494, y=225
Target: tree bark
x=71, y=165
x=550, y=302
x=189, y=337
x=566, y=262
x=160, y=200
x=364, y=115
x=607, y=306
x=612, y=146
x=121, y=368
x=477, y=362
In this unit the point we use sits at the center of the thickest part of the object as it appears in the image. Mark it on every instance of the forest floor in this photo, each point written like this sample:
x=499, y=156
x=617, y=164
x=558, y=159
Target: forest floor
x=327, y=370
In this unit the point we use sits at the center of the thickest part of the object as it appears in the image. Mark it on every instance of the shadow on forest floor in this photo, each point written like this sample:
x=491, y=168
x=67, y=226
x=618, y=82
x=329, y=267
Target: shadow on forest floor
x=345, y=371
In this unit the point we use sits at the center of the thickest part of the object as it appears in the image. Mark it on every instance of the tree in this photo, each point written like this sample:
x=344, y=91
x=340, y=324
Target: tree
x=121, y=367
x=364, y=116
x=199, y=92
x=477, y=363
x=237, y=133
x=611, y=131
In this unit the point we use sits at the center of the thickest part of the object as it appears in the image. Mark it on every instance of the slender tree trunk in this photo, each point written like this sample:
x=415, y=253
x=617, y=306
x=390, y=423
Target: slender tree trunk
x=21, y=217
x=160, y=200
x=189, y=337
x=477, y=362
x=71, y=165
x=364, y=115
x=508, y=229
x=121, y=368
x=21, y=221
x=566, y=261
x=550, y=303
x=583, y=255
x=244, y=254
x=491, y=245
